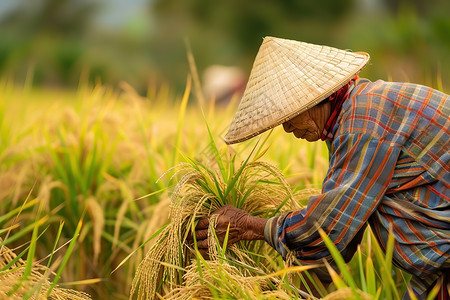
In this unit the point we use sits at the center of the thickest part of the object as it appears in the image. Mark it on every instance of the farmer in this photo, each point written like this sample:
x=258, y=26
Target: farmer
x=389, y=160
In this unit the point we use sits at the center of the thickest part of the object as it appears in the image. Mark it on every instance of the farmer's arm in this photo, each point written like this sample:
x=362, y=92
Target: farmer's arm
x=360, y=171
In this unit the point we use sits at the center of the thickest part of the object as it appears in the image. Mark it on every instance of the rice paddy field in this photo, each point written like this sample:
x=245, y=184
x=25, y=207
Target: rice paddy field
x=99, y=188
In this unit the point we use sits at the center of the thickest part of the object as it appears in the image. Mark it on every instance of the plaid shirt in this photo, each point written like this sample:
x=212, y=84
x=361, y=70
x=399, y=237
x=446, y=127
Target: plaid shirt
x=389, y=167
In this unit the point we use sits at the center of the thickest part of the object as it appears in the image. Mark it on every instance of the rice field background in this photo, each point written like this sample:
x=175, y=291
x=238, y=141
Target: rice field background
x=87, y=179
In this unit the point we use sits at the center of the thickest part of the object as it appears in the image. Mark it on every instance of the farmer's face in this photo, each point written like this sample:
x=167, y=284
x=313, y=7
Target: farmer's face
x=303, y=127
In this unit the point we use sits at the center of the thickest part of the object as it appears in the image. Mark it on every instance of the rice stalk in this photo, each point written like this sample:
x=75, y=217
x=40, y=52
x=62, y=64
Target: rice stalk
x=98, y=222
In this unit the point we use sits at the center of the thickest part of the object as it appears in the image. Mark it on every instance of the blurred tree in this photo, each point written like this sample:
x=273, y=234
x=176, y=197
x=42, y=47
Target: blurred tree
x=46, y=38
x=62, y=17
x=230, y=32
x=408, y=40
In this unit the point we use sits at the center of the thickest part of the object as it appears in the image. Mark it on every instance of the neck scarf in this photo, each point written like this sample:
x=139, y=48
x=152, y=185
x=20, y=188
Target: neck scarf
x=336, y=100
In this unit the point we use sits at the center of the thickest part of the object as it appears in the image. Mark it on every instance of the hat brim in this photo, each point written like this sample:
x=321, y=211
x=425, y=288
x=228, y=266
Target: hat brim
x=243, y=127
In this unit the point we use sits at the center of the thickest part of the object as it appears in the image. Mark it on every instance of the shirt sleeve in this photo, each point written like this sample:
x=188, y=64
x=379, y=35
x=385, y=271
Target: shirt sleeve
x=361, y=168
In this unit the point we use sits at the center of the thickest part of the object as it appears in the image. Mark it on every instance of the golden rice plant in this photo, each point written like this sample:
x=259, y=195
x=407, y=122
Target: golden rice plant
x=17, y=284
x=255, y=186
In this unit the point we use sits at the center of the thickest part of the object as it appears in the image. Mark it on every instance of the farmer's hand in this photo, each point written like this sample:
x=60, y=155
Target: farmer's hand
x=243, y=226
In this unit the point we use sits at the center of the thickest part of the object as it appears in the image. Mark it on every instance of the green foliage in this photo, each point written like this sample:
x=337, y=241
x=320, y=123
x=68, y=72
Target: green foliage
x=54, y=43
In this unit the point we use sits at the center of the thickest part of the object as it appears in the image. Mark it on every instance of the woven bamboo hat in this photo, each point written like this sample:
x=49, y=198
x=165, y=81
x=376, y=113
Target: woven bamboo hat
x=288, y=77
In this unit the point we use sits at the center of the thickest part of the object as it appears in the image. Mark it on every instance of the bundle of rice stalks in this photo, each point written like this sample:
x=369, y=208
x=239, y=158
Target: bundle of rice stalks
x=256, y=187
x=19, y=283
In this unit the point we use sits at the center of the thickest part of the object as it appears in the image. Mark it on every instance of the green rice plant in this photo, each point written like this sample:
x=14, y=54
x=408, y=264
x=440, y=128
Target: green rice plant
x=90, y=160
x=369, y=277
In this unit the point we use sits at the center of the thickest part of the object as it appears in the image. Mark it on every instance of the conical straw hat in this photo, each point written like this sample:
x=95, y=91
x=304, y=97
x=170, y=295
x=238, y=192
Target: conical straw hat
x=287, y=78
